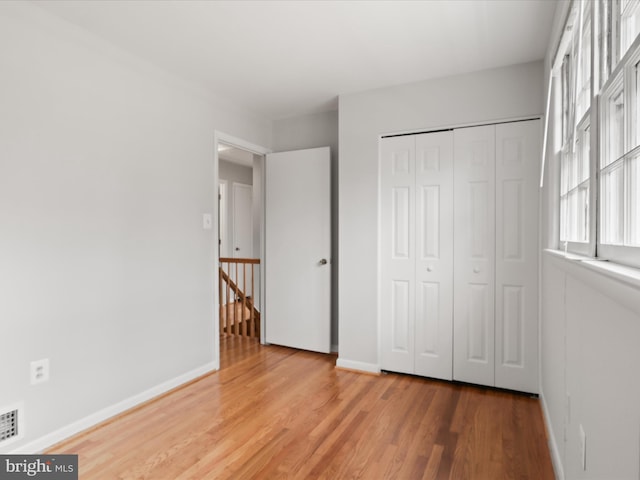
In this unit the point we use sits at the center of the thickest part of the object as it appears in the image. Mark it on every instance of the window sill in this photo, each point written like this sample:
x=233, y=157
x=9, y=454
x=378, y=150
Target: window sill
x=622, y=273
x=607, y=277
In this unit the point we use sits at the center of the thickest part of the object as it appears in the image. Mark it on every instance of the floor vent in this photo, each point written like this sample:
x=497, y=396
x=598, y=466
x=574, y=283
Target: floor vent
x=10, y=424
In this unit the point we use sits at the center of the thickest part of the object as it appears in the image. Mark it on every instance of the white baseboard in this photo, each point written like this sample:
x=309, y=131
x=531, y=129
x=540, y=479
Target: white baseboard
x=359, y=366
x=50, y=439
x=556, y=459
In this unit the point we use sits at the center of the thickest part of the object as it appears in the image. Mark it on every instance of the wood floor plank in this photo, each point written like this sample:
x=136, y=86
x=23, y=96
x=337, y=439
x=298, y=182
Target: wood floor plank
x=278, y=413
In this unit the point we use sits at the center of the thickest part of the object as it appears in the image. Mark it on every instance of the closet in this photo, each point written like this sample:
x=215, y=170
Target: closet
x=459, y=254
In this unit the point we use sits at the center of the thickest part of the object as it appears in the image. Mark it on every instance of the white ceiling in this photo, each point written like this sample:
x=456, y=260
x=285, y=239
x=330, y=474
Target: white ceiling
x=286, y=58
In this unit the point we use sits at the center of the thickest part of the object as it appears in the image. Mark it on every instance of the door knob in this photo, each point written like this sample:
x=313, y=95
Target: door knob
x=476, y=269
x=237, y=249
x=323, y=261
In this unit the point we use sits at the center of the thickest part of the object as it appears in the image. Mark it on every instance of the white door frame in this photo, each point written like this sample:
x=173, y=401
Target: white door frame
x=221, y=137
x=223, y=227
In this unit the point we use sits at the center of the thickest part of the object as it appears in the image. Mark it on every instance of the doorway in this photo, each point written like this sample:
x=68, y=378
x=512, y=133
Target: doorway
x=239, y=284
x=305, y=278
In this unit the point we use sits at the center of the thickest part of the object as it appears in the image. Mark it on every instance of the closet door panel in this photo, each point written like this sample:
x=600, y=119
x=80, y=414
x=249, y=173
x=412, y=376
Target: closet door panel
x=434, y=255
x=517, y=167
x=474, y=255
x=398, y=253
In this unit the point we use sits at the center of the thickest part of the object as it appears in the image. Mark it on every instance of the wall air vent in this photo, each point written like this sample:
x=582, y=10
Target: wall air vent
x=11, y=428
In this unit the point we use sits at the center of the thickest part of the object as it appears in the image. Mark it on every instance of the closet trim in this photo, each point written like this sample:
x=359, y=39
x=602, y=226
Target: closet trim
x=465, y=125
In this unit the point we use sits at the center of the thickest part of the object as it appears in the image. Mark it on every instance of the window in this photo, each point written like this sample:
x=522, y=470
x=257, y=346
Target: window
x=575, y=178
x=601, y=37
x=620, y=147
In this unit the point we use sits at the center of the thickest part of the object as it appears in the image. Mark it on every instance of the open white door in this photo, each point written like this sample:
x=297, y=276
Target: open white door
x=298, y=249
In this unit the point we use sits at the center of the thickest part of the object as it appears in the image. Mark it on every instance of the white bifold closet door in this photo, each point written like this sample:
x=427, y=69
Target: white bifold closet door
x=517, y=246
x=417, y=254
x=474, y=253
x=496, y=255
x=459, y=254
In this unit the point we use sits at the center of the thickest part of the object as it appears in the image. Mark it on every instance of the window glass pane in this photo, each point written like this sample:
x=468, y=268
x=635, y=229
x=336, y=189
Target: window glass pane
x=565, y=172
x=566, y=98
x=612, y=204
x=583, y=213
x=633, y=198
x=583, y=152
x=577, y=216
x=574, y=213
x=570, y=217
x=573, y=168
x=636, y=112
x=604, y=41
x=615, y=128
x=584, y=70
x=564, y=234
x=630, y=23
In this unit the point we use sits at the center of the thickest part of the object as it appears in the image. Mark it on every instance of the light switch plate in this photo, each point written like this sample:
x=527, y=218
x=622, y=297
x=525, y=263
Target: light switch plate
x=207, y=221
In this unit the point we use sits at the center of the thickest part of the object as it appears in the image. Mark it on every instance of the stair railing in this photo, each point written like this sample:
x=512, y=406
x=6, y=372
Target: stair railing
x=237, y=286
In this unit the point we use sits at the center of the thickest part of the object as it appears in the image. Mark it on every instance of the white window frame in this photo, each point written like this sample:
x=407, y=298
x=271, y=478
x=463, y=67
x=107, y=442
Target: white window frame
x=624, y=73
x=607, y=71
x=588, y=118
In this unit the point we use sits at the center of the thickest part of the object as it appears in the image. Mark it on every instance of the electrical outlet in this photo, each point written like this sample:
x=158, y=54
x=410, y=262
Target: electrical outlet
x=583, y=448
x=39, y=371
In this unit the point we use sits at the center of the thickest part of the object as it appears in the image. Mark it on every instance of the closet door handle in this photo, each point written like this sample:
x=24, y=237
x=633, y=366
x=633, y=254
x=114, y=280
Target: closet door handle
x=476, y=269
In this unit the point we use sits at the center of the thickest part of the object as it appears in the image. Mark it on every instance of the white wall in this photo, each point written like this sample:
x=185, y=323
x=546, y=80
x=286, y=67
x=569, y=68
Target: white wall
x=311, y=131
x=590, y=358
x=483, y=96
x=590, y=327
x=106, y=166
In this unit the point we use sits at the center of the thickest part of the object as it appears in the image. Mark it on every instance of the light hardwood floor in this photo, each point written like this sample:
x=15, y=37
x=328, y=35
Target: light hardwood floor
x=274, y=412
